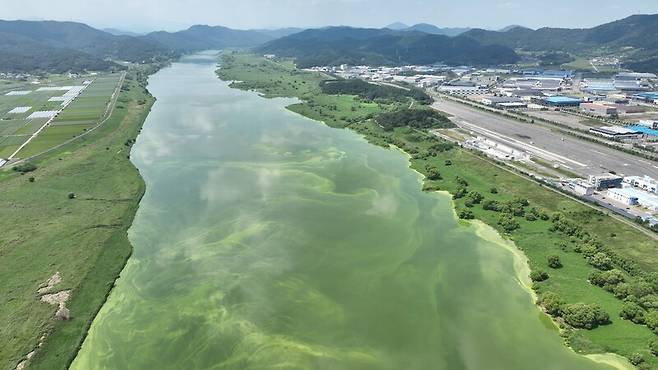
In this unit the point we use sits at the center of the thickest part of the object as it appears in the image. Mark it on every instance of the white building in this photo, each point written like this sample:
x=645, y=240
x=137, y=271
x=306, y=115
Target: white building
x=621, y=195
x=646, y=183
x=582, y=188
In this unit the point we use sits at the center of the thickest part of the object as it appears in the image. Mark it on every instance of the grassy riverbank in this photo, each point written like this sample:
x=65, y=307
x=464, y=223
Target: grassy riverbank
x=549, y=225
x=70, y=216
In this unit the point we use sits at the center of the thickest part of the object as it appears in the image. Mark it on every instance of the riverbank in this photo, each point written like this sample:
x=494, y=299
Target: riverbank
x=68, y=218
x=471, y=176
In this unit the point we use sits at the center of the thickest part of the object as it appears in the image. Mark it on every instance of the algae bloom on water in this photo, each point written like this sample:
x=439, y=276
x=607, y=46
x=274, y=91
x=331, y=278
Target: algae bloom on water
x=266, y=240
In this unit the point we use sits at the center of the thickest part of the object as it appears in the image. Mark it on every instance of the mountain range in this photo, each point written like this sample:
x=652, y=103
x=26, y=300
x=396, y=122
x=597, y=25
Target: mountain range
x=635, y=35
x=50, y=46
x=347, y=45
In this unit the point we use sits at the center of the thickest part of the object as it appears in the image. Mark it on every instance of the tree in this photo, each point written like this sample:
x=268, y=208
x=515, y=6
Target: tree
x=71, y=195
x=651, y=320
x=653, y=347
x=552, y=303
x=433, y=174
x=585, y=316
x=493, y=191
x=554, y=262
x=25, y=167
x=491, y=205
x=633, y=312
x=636, y=359
x=601, y=261
x=538, y=276
x=466, y=215
x=508, y=223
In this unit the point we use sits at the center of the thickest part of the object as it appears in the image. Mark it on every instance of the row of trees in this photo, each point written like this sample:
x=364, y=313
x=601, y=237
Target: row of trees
x=373, y=92
x=415, y=118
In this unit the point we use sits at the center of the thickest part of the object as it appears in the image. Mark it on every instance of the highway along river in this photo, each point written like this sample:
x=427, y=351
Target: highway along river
x=269, y=241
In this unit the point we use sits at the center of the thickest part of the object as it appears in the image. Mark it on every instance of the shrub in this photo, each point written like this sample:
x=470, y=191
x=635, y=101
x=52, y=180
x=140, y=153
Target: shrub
x=466, y=215
x=632, y=312
x=554, y=262
x=25, y=167
x=601, y=261
x=433, y=174
x=493, y=191
x=552, y=303
x=71, y=195
x=508, y=223
x=538, y=276
x=636, y=359
x=651, y=320
x=653, y=347
x=585, y=316
x=491, y=205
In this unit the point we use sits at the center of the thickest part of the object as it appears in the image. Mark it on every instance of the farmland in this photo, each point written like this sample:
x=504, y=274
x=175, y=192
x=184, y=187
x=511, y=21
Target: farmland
x=25, y=108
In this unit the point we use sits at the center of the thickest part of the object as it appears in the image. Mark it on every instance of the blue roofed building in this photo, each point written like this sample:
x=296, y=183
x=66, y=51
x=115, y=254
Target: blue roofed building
x=562, y=101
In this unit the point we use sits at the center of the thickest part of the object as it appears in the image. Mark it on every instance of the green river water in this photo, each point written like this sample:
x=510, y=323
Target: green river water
x=269, y=241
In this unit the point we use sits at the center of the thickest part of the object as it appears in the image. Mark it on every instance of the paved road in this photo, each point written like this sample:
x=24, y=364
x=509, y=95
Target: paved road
x=578, y=156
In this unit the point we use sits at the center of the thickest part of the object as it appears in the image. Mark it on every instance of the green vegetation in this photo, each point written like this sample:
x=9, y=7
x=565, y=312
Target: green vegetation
x=544, y=224
x=373, y=92
x=70, y=217
x=415, y=118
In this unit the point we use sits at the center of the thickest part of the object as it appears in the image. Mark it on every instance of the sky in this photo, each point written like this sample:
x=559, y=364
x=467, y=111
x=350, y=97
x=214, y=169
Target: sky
x=172, y=15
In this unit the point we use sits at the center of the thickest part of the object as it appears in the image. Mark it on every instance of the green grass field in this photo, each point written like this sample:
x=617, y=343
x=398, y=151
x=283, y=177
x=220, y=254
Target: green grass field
x=83, y=238
x=532, y=237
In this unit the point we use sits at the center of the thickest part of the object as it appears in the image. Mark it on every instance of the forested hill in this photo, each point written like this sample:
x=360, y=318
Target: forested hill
x=338, y=45
x=637, y=32
x=201, y=37
x=49, y=46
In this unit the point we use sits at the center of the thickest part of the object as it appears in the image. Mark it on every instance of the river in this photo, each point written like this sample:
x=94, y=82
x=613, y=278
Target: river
x=267, y=240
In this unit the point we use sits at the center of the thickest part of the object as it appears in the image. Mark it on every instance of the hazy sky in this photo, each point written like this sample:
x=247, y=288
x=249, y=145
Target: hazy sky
x=147, y=15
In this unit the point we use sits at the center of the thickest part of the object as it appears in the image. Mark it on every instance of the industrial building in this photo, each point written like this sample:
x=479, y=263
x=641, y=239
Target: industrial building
x=631, y=196
x=621, y=195
x=649, y=124
x=561, y=101
x=582, y=188
x=617, y=132
x=504, y=102
x=645, y=183
x=602, y=182
x=647, y=97
x=598, y=109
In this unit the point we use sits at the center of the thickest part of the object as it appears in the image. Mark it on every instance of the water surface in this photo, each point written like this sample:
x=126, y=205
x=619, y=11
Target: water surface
x=266, y=240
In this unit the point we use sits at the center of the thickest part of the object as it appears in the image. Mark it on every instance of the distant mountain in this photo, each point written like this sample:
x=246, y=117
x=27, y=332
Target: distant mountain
x=637, y=32
x=202, y=37
x=50, y=46
x=427, y=28
x=511, y=27
x=281, y=32
x=397, y=26
x=338, y=45
x=432, y=29
x=632, y=31
x=117, y=32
